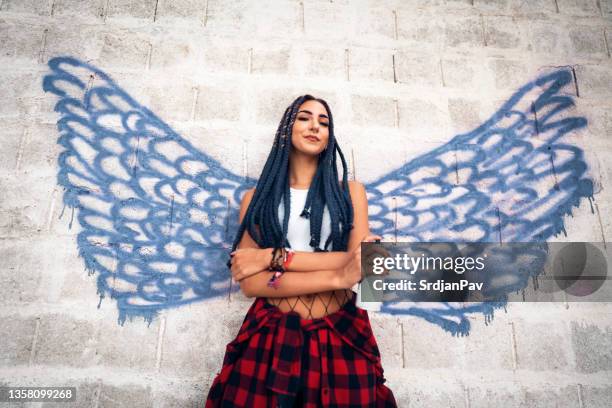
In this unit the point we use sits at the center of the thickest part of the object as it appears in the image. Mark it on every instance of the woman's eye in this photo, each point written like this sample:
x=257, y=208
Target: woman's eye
x=303, y=118
x=324, y=124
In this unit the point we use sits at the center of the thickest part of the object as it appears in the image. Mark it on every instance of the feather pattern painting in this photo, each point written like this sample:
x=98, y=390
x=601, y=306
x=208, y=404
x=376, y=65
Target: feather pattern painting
x=157, y=216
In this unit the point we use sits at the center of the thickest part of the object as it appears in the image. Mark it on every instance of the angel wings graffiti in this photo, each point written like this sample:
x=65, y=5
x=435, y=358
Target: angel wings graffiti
x=157, y=215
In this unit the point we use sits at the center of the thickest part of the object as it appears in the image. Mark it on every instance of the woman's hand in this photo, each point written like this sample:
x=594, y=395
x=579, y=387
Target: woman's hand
x=249, y=261
x=351, y=273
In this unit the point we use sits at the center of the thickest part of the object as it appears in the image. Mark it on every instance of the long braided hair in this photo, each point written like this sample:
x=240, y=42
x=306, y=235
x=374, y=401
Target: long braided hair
x=325, y=189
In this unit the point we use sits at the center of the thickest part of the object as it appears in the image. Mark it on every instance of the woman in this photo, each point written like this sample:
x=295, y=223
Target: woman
x=303, y=341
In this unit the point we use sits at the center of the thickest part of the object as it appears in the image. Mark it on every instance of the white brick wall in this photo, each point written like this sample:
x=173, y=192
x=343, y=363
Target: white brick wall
x=222, y=73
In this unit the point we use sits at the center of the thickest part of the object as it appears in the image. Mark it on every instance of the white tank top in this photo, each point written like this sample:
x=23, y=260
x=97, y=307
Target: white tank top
x=298, y=230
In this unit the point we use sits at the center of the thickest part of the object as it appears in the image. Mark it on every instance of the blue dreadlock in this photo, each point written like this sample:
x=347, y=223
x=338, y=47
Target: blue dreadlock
x=325, y=189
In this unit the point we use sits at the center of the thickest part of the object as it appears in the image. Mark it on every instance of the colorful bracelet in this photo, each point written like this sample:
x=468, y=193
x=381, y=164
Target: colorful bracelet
x=281, y=258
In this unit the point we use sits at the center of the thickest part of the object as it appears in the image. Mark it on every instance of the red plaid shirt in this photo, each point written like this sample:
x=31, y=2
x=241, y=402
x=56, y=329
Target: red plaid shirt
x=279, y=359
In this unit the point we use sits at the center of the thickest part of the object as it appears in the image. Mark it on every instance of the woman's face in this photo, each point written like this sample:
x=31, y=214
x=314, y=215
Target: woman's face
x=310, y=132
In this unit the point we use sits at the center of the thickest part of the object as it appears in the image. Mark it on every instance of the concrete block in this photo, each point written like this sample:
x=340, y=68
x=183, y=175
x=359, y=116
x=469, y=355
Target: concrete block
x=182, y=9
x=504, y=32
x=459, y=73
x=325, y=62
x=463, y=32
x=548, y=38
x=22, y=269
x=133, y=396
x=20, y=41
x=513, y=395
x=223, y=17
x=414, y=69
x=24, y=216
x=328, y=21
x=427, y=346
x=420, y=29
x=592, y=347
x=225, y=58
x=80, y=9
x=125, y=48
x=170, y=52
x=40, y=150
x=128, y=8
x=516, y=7
x=63, y=340
x=450, y=396
x=215, y=141
x=489, y=345
x=596, y=396
x=594, y=80
x=464, y=114
x=17, y=334
x=373, y=111
x=542, y=346
x=508, y=74
x=588, y=41
x=370, y=64
x=268, y=60
x=86, y=43
x=270, y=109
x=131, y=346
x=274, y=19
x=169, y=101
x=11, y=141
x=41, y=8
x=376, y=23
x=425, y=118
x=218, y=103
x=579, y=7
x=387, y=332
x=196, y=342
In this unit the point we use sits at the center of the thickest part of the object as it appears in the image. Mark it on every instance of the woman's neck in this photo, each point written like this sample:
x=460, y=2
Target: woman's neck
x=302, y=168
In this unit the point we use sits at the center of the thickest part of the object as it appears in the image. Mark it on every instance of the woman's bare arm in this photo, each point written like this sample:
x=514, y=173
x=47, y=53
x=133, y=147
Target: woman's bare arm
x=324, y=279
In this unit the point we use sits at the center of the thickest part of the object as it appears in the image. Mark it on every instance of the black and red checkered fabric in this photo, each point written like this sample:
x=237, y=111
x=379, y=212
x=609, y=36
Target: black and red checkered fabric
x=278, y=359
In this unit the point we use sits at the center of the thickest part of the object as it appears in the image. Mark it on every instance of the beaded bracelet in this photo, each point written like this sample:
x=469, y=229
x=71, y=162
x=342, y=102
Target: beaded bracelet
x=278, y=254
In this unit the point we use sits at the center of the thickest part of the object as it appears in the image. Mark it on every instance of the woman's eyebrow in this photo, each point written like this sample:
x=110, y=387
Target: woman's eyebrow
x=307, y=111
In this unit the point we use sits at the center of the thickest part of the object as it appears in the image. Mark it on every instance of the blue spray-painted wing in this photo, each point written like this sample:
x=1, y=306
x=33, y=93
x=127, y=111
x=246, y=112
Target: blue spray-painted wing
x=157, y=215
x=512, y=179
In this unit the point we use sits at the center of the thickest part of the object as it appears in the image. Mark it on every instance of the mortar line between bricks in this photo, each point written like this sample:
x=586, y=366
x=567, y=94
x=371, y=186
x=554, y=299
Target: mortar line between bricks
x=442, y=74
x=603, y=235
x=606, y=42
x=575, y=82
x=35, y=337
x=160, y=343
x=149, y=55
x=303, y=16
x=395, y=36
x=97, y=394
x=155, y=11
x=353, y=163
x=484, y=34
x=393, y=65
x=396, y=113
x=52, y=8
x=105, y=11
x=346, y=63
x=196, y=91
x=466, y=396
x=205, y=17
x=556, y=7
x=1, y=1
x=402, y=355
x=43, y=46
x=22, y=142
x=51, y=209
x=580, y=402
x=598, y=3
x=250, y=61
x=513, y=343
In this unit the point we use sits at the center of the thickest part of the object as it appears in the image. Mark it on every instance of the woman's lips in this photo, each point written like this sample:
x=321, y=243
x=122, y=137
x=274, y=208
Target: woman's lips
x=312, y=138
